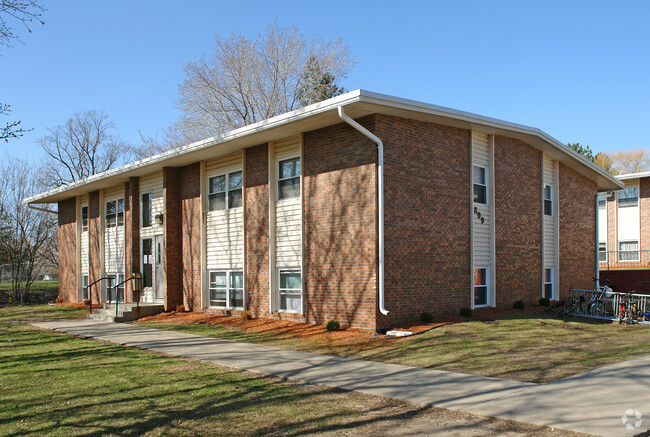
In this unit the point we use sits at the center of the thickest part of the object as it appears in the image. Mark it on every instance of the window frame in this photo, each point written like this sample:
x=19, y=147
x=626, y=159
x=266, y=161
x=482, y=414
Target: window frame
x=298, y=177
x=483, y=185
x=227, y=191
x=290, y=291
x=628, y=202
x=117, y=277
x=602, y=244
x=602, y=201
x=627, y=251
x=548, y=271
x=118, y=216
x=482, y=286
x=142, y=215
x=229, y=289
x=84, y=220
x=548, y=201
x=84, y=287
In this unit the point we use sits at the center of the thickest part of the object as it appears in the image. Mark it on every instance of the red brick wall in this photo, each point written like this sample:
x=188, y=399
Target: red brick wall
x=131, y=234
x=578, y=231
x=340, y=227
x=172, y=237
x=644, y=211
x=67, y=245
x=518, y=222
x=627, y=280
x=190, y=198
x=256, y=228
x=95, y=237
x=427, y=220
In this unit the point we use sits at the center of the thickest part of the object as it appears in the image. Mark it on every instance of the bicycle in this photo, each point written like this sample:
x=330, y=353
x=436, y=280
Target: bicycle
x=570, y=307
x=597, y=304
x=628, y=309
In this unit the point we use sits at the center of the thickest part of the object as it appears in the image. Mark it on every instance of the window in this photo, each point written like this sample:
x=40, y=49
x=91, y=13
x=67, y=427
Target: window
x=217, y=191
x=115, y=213
x=227, y=289
x=480, y=287
x=548, y=200
x=289, y=178
x=84, y=289
x=146, y=210
x=602, y=201
x=147, y=261
x=290, y=290
x=628, y=197
x=112, y=280
x=84, y=219
x=548, y=283
x=602, y=252
x=480, y=185
x=628, y=251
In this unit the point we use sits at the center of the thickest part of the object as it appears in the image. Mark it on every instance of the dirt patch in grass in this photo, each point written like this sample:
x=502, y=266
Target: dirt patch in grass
x=183, y=367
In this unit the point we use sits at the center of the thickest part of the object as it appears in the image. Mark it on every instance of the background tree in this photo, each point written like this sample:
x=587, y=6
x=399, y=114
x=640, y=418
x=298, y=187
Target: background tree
x=26, y=234
x=83, y=146
x=605, y=161
x=583, y=150
x=11, y=129
x=246, y=81
x=631, y=161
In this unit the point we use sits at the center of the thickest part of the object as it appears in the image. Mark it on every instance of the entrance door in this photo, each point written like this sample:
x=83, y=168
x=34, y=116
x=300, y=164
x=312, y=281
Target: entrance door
x=159, y=267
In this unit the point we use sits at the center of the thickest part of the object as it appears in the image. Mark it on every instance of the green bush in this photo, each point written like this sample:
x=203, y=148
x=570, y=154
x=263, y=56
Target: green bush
x=426, y=317
x=518, y=305
x=545, y=301
x=333, y=325
x=465, y=312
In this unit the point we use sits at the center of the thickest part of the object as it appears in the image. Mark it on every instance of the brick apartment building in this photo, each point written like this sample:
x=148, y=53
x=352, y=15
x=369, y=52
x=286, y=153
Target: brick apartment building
x=624, y=234
x=364, y=208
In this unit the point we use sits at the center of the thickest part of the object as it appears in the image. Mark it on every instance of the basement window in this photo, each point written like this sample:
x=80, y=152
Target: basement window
x=289, y=178
x=548, y=200
x=84, y=287
x=112, y=280
x=480, y=185
x=480, y=287
x=290, y=290
x=227, y=289
x=548, y=283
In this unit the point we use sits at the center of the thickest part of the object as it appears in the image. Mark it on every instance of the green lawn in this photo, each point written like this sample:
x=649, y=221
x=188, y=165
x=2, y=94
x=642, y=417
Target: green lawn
x=521, y=346
x=52, y=285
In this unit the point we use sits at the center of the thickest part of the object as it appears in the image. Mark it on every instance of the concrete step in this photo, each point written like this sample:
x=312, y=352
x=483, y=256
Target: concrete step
x=126, y=312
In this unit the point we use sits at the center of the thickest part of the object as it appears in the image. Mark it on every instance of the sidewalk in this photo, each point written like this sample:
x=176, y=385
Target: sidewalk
x=593, y=402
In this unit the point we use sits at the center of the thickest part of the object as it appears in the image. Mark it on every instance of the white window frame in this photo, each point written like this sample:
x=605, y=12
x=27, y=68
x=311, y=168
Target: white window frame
x=486, y=285
x=602, y=201
x=548, y=200
x=150, y=194
x=637, y=250
x=299, y=177
x=84, y=285
x=84, y=222
x=227, y=190
x=551, y=283
x=119, y=215
x=474, y=183
x=602, y=244
x=627, y=203
x=117, y=277
x=229, y=289
x=280, y=271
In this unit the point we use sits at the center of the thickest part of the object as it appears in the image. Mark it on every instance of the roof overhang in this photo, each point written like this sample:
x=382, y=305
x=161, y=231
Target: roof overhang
x=357, y=104
x=624, y=177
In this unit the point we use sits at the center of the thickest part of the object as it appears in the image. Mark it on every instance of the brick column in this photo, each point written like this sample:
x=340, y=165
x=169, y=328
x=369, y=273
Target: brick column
x=611, y=229
x=189, y=178
x=67, y=245
x=131, y=234
x=94, y=249
x=644, y=211
x=172, y=238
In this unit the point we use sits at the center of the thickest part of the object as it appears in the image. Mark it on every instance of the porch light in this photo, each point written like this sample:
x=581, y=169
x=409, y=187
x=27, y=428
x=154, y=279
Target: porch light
x=158, y=219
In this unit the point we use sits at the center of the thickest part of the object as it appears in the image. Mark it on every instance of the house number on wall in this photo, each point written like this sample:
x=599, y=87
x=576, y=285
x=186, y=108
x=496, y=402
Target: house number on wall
x=477, y=213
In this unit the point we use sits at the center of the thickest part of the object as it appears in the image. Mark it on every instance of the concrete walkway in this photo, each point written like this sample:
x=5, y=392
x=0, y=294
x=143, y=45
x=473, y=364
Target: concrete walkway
x=593, y=402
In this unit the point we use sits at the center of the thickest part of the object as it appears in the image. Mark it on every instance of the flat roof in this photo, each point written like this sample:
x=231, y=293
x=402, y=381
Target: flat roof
x=357, y=104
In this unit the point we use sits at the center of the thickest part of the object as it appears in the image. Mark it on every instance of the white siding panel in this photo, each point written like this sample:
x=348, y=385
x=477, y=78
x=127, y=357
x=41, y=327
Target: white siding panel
x=628, y=223
x=548, y=176
x=153, y=184
x=223, y=164
x=548, y=171
x=481, y=246
x=602, y=225
x=288, y=233
x=84, y=253
x=116, y=192
x=114, y=250
x=287, y=148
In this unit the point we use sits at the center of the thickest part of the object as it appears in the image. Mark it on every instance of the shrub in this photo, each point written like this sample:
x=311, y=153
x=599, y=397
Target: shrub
x=246, y=315
x=86, y=302
x=59, y=300
x=518, y=305
x=465, y=312
x=333, y=325
x=426, y=317
x=545, y=301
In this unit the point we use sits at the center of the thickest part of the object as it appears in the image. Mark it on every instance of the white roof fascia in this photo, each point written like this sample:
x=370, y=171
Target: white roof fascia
x=643, y=174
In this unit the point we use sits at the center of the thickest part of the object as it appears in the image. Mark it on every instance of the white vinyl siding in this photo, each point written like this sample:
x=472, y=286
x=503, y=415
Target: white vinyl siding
x=602, y=218
x=84, y=239
x=113, y=236
x=480, y=158
x=225, y=227
x=288, y=214
x=152, y=184
x=627, y=220
x=549, y=222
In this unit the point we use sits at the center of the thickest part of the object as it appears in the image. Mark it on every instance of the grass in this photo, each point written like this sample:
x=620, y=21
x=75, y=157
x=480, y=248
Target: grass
x=538, y=348
x=51, y=285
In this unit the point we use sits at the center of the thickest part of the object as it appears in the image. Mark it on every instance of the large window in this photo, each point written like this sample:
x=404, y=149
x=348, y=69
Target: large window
x=146, y=210
x=628, y=251
x=480, y=287
x=548, y=283
x=289, y=178
x=628, y=197
x=147, y=262
x=112, y=280
x=227, y=289
x=290, y=290
x=602, y=252
x=115, y=213
x=548, y=200
x=225, y=190
x=84, y=219
x=480, y=185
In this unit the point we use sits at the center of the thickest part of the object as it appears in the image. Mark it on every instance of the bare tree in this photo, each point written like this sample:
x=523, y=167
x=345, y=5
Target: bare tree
x=24, y=12
x=27, y=234
x=83, y=146
x=11, y=129
x=631, y=161
x=246, y=81
x=149, y=146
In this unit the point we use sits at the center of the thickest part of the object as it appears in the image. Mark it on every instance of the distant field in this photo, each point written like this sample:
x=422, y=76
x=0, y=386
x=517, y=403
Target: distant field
x=52, y=285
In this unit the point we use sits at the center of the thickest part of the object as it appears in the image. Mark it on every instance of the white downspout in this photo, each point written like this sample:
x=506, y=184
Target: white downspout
x=598, y=242
x=380, y=200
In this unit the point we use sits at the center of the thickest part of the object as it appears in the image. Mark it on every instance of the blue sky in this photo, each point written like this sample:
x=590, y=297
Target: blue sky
x=579, y=70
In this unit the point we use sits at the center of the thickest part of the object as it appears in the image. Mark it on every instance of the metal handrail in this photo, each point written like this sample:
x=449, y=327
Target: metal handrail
x=90, y=294
x=117, y=296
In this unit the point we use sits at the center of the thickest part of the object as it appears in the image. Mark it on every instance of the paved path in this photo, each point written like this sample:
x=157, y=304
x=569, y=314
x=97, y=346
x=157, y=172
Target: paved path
x=593, y=402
